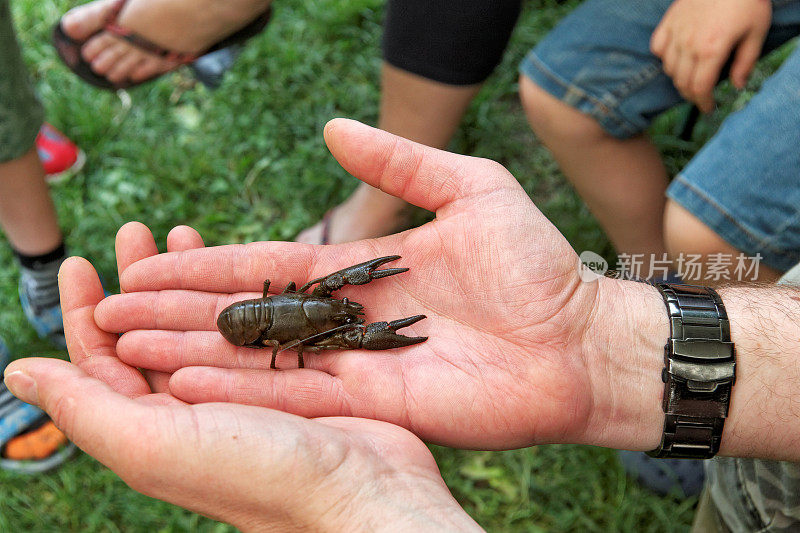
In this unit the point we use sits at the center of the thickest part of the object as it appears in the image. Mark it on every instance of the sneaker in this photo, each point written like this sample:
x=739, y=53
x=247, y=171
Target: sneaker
x=29, y=441
x=60, y=157
x=665, y=476
x=5, y=354
x=210, y=69
x=40, y=301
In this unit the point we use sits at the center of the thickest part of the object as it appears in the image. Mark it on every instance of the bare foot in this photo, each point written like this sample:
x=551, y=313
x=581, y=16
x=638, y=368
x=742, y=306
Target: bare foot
x=188, y=26
x=367, y=214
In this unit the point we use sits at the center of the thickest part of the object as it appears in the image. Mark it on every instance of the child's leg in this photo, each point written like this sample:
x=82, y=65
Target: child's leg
x=621, y=180
x=589, y=90
x=437, y=55
x=741, y=192
x=413, y=107
x=27, y=215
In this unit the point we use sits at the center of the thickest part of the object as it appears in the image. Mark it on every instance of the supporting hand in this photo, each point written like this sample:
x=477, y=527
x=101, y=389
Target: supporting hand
x=253, y=467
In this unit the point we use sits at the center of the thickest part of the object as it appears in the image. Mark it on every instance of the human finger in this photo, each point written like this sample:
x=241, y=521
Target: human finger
x=298, y=391
x=659, y=40
x=669, y=61
x=91, y=348
x=179, y=239
x=704, y=79
x=169, y=351
x=134, y=242
x=176, y=310
x=684, y=74
x=182, y=238
x=745, y=58
x=93, y=415
x=222, y=269
x=165, y=449
x=104, y=423
x=421, y=175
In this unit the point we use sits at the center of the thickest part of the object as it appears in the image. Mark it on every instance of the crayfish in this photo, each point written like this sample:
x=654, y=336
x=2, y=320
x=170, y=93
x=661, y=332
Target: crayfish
x=316, y=321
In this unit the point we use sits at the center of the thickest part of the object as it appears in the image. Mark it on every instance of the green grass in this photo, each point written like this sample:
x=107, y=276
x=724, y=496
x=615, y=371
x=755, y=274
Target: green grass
x=248, y=163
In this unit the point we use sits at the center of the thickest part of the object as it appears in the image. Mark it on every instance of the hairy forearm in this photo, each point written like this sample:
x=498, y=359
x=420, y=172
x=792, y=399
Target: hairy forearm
x=764, y=418
x=625, y=347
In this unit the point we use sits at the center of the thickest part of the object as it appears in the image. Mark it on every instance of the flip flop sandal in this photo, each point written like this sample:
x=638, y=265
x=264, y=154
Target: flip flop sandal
x=69, y=49
x=327, y=219
x=29, y=441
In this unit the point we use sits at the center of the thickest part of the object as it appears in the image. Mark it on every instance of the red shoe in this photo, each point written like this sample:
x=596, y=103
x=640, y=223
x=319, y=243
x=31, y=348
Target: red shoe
x=60, y=156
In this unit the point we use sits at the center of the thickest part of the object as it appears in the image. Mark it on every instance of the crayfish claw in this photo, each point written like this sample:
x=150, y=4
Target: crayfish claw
x=365, y=272
x=394, y=325
x=382, y=336
x=377, y=274
x=359, y=274
x=375, y=263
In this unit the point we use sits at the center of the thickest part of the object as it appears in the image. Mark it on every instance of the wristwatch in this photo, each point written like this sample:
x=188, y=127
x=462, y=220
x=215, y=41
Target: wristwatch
x=699, y=372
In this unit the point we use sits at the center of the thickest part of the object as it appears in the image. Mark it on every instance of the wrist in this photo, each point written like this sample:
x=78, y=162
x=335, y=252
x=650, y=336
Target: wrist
x=361, y=492
x=421, y=503
x=624, y=349
x=400, y=501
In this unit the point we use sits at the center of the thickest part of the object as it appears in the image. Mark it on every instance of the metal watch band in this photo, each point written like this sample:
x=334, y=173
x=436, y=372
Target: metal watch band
x=699, y=372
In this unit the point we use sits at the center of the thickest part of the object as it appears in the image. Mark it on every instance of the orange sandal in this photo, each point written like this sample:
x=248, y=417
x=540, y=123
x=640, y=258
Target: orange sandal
x=37, y=444
x=29, y=441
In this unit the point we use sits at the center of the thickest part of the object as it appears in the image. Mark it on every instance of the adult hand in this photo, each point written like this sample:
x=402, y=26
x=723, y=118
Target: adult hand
x=696, y=37
x=512, y=358
x=138, y=246
x=252, y=467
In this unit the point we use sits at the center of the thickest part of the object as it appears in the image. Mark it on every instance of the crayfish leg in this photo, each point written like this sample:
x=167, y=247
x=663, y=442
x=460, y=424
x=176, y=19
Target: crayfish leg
x=300, y=362
x=275, y=346
x=292, y=287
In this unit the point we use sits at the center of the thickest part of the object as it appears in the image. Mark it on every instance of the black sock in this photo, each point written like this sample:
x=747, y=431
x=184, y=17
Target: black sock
x=43, y=261
x=39, y=278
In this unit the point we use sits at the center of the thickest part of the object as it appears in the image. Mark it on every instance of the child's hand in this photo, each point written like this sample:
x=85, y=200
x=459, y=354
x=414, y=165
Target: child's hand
x=696, y=37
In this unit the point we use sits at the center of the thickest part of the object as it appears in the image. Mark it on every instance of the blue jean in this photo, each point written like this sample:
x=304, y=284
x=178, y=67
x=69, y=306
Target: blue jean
x=745, y=183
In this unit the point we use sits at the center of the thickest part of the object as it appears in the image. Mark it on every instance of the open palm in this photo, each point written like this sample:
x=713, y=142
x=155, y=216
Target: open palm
x=503, y=367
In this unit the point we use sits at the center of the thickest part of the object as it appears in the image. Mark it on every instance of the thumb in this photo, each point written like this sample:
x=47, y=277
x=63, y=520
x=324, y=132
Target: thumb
x=420, y=175
x=87, y=410
x=149, y=447
x=745, y=59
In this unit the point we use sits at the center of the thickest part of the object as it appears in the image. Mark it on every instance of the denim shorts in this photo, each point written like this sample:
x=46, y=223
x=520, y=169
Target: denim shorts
x=21, y=115
x=745, y=183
